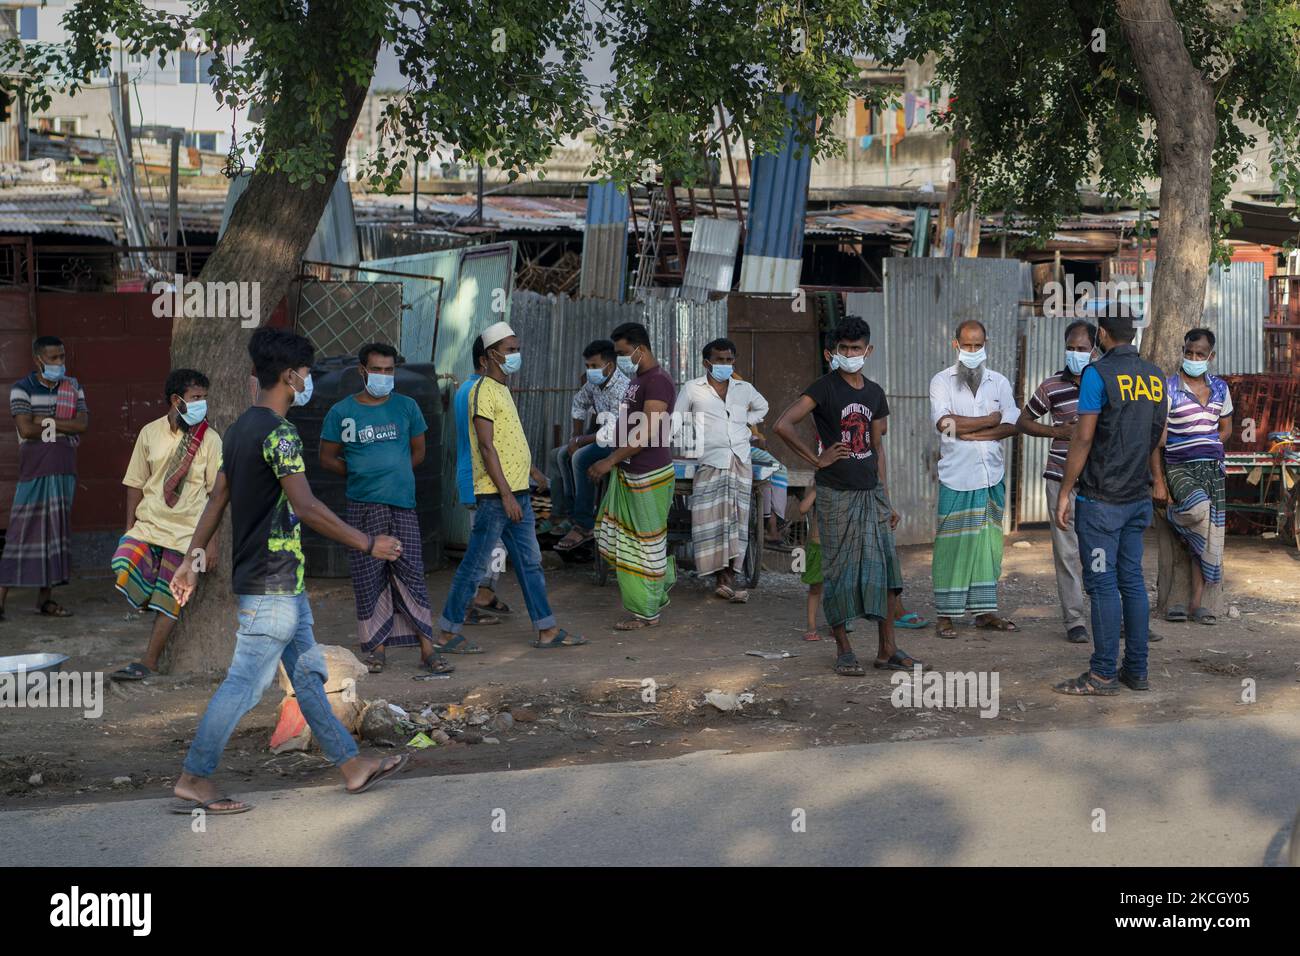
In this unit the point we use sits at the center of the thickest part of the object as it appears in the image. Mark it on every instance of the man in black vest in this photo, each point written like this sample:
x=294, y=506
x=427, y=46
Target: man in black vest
x=1113, y=455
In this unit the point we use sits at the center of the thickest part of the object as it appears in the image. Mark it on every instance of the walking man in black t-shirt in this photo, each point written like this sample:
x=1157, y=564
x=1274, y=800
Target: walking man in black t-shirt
x=1114, y=452
x=854, y=517
x=263, y=480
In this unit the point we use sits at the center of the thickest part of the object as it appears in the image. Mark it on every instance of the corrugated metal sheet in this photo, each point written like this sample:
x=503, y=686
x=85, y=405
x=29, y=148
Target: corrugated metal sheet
x=420, y=297
x=385, y=240
x=604, y=262
x=335, y=239
x=712, y=260
x=553, y=331
x=66, y=210
x=762, y=274
x=607, y=205
x=924, y=300
x=1236, y=301
x=778, y=200
x=868, y=306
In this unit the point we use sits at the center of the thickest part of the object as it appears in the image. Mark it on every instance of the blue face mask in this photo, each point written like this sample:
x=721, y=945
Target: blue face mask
x=514, y=361
x=1196, y=368
x=596, y=376
x=195, y=412
x=722, y=372
x=1076, y=362
x=378, y=384
x=303, y=397
x=54, y=373
x=626, y=364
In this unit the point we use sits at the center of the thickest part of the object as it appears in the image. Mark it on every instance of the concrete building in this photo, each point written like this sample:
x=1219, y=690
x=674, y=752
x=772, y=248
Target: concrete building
x=173, y=95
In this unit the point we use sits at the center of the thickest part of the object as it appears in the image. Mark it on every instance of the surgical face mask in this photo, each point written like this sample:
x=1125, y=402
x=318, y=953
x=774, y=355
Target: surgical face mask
x=195, y=411
x=1076, y=362
x=1196, y=368
x=848, y=363
x=54, y=373
x=379, y=384
x=721, y=372
x=513, y=362
x=972, y=359
x=596, y=376
x=303, y=397
x=627, y=364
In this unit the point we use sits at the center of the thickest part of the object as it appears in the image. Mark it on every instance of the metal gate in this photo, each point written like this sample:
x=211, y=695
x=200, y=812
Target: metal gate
x=340, y=317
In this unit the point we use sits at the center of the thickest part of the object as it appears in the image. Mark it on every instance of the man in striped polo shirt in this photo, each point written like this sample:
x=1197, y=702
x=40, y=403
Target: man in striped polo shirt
x=1059, y=394
x=1199, y=423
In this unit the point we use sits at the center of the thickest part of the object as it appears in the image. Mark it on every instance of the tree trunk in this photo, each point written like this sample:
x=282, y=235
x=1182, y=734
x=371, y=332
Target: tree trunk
x=269, y=230
x=1182, y=100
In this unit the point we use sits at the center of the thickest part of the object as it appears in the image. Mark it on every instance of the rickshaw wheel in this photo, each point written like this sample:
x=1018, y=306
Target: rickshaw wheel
x=754, y=553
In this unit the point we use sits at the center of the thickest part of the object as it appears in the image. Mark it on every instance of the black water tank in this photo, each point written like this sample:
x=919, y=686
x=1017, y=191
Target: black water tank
x=333, y=379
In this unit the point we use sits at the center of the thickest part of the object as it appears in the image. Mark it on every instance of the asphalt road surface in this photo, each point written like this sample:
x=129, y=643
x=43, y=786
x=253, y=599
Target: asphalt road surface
x=1196, y=792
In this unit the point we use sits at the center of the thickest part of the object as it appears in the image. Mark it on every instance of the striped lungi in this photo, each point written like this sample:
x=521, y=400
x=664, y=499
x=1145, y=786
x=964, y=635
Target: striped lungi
x=144, y=575
x=392, y=596
x=1197, y=511
x=38, y=542
x=720, y=516
x=967, y=558
x=859, y=562
x=632, y=535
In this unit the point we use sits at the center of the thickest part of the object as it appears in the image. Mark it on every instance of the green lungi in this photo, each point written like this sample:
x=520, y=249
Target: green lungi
x=968, y=550
x=632, y=535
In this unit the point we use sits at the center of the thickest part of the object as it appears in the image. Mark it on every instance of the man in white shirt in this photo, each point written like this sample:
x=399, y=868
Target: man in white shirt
x=716, y=412
x=973, y=409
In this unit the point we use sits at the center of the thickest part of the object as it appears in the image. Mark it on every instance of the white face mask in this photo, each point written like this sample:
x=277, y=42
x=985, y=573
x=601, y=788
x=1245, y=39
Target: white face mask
x=848, y=363
x=1076, y=362
x=972, y=359
x=303, y=397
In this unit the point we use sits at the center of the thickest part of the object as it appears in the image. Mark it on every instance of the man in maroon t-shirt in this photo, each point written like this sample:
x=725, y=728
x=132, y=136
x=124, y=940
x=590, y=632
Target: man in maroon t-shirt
x=632, y=530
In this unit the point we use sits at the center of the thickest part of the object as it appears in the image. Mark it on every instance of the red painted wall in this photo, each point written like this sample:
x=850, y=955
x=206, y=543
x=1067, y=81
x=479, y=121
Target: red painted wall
x=119, y=352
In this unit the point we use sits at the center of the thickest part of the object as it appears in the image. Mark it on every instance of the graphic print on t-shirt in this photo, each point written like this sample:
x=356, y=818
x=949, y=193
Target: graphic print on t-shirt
x=855, y=430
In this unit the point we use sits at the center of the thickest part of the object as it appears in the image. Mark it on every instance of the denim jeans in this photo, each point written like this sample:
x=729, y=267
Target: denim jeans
x=573, y=495
x=272, y=628
x=520, y=540
x=1110, y=547
x=489, y=577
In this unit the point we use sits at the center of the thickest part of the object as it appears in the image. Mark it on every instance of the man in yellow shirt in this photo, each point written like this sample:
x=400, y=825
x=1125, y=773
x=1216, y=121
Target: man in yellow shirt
x=172, y=471
x=503, y=507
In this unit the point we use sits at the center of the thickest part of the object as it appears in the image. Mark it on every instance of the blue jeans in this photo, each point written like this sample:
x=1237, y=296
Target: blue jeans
x=572, y=492
x=272, y=628
x=520, y=540
x=1110, y=548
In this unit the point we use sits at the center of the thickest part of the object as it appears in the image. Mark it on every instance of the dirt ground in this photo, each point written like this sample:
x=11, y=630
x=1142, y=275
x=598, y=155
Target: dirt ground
x=582, y=705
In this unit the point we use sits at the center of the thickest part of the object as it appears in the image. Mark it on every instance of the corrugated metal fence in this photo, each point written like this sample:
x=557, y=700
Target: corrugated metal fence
x=924, y=300
x=1235, y=308
x=553, y=331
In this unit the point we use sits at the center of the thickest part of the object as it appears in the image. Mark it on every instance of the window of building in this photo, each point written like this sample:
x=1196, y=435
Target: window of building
x=206, y=141
x=196, y=68
x=27, y=23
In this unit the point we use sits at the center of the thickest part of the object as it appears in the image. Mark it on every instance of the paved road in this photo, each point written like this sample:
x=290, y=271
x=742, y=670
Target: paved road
x=1197, y=792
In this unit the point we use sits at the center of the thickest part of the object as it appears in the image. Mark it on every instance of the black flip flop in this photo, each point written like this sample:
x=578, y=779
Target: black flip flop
x=434, y=664
x=459, y=644
x=497, y=606
x=897, y=662
x=562, y=639
x=380, y=774
x=477, y=615
x=136, y=671
x=206, y=807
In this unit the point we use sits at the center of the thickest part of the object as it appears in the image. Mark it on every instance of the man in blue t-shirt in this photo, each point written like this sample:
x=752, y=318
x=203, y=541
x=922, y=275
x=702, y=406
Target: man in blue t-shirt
x=1115, y=460
x=375, y=439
